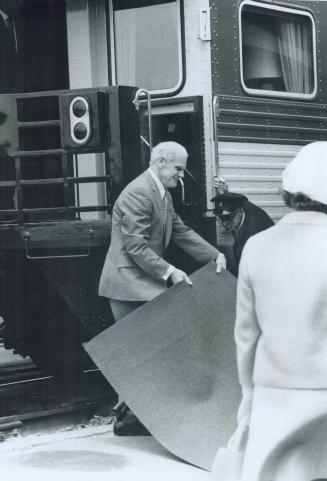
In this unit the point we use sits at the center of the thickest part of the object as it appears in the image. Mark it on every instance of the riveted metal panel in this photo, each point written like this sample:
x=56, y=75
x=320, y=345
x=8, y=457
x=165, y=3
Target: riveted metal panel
x=225, y=53
x=258, y=136
x=260, y=120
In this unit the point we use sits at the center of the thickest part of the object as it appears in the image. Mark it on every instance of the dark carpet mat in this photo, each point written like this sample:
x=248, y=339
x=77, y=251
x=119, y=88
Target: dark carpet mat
x=173, y=362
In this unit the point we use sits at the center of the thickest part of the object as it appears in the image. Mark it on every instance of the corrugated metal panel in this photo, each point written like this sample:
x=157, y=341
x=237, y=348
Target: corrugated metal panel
x=255, y=170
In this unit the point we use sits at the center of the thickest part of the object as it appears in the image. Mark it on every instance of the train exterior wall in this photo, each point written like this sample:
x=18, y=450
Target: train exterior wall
x=258, y=136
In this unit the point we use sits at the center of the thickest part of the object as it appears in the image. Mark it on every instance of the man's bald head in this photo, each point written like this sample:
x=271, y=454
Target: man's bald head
x=168, y=151
x=168, y=162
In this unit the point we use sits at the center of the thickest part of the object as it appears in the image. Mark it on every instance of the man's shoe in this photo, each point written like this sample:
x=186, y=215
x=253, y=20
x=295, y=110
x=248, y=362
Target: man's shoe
x=129, y=425
x=120, y=410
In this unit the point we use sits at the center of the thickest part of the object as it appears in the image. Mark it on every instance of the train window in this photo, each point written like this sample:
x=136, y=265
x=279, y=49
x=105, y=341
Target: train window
x=277, y=51
x=147, y=44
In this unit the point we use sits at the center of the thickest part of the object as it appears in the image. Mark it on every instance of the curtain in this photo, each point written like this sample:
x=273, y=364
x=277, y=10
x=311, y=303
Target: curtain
x=147, y=46
x=294, y=49
x=125, y=46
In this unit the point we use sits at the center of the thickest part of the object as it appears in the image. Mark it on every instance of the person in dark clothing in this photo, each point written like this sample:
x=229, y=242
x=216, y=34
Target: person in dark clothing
x=241, y=219
x=8, y=56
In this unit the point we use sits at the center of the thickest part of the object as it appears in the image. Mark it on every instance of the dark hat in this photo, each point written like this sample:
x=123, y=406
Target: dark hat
x=228, y=201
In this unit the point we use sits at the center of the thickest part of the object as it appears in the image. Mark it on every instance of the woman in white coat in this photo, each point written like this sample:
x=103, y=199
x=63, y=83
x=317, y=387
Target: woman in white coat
x=281, y=332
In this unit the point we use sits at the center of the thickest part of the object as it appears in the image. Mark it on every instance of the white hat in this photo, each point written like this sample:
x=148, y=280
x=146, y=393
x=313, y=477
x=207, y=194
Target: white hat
x=307, y=172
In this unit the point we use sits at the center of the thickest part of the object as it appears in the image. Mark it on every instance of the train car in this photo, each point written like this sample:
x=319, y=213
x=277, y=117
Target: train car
x=87, y=87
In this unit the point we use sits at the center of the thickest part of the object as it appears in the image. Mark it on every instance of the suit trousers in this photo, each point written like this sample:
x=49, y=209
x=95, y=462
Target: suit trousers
x=121, y=309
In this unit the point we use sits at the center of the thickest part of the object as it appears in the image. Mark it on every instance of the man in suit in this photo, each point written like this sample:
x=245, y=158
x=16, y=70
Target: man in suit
x=143, y=223
x=241, y=219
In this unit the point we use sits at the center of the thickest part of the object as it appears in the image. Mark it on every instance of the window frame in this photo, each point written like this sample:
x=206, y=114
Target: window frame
x=181, y=52
x=274, y=93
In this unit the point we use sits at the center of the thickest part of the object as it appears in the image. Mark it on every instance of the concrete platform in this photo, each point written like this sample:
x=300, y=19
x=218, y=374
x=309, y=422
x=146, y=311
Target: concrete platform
x=92, y=453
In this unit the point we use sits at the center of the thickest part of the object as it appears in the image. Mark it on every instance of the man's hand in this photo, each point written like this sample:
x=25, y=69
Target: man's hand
x=220, y=263
x=218, y=182
x=177, y=276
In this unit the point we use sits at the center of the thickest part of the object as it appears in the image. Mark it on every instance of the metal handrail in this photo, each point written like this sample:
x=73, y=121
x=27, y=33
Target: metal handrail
x=215, y=137
x=183, y=189
x=136, y=102
x=221, y=185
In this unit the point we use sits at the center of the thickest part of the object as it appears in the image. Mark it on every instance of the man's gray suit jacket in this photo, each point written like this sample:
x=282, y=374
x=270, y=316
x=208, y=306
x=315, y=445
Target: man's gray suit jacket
x=141, y=231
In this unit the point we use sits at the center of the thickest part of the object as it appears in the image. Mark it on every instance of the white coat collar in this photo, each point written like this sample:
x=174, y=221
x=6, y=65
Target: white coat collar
x=304, y=217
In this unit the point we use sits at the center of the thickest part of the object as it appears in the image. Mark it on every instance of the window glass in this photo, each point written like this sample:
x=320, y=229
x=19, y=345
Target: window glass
x=277, y=51
x=147, y=43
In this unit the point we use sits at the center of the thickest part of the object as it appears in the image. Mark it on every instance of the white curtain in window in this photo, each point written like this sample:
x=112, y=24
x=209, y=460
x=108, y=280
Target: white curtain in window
x=147, y=46
x=294, y=49
x=125, y=46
